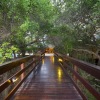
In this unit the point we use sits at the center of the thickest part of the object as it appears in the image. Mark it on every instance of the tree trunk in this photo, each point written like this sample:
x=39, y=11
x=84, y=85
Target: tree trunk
x=23, y=53
x=14, y=54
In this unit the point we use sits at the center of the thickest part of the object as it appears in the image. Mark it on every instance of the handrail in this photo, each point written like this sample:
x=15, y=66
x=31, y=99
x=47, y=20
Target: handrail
x=87, y=51
x=94, y=70
x=86, y=55
x=87, y=67
x=18, y=85
x=9, y=81
x=12, y=64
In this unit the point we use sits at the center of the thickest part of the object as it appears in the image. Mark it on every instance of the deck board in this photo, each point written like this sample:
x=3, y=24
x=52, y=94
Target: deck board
x=50, y=83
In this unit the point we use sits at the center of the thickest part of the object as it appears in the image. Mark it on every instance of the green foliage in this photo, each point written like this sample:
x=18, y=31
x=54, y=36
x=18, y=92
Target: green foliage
x=25, y=18
x=6, y=51
x=82, y=16
x=65, y=21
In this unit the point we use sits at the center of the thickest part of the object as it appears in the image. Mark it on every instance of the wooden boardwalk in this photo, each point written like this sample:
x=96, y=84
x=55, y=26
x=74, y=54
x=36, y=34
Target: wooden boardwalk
x=50, y=83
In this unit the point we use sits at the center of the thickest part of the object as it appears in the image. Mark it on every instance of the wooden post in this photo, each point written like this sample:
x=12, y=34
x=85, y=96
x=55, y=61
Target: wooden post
x=76, y=70
x=33, y=63
x=22, y=67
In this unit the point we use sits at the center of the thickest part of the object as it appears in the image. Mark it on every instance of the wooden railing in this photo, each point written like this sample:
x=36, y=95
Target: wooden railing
x=86, y=55
x=32, y=65
x=72, y=68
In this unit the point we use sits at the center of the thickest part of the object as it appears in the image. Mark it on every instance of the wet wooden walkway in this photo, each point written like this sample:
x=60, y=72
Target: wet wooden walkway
x=50, y=83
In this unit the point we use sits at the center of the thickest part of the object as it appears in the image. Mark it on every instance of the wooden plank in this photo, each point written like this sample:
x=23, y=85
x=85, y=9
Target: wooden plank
x=50, y=83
